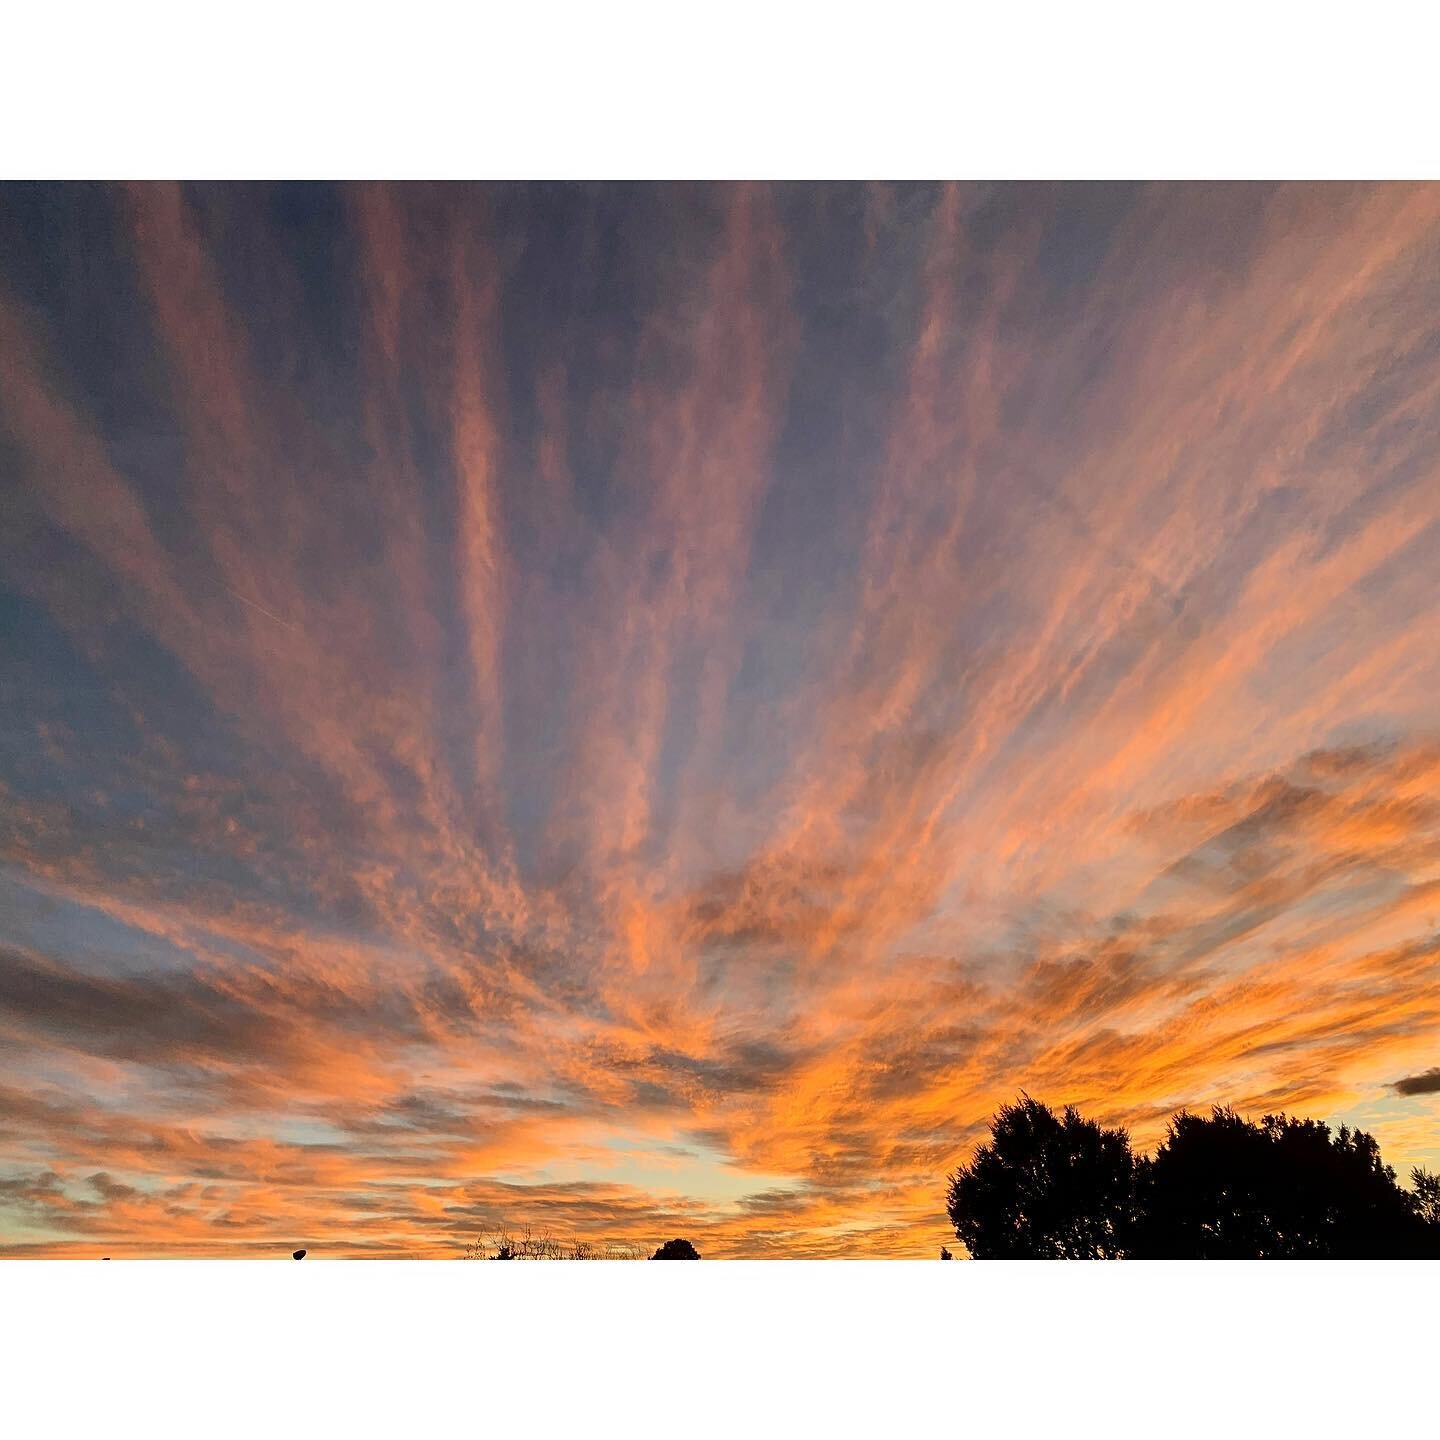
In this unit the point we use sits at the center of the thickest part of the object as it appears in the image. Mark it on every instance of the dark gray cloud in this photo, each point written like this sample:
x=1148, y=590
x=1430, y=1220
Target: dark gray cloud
x=1427, y=1082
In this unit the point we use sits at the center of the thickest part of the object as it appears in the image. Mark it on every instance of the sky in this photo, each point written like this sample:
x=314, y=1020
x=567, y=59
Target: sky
x=650, y=710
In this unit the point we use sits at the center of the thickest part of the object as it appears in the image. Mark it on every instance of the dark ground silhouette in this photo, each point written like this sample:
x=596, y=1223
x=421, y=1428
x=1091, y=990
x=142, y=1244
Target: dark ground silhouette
x=1047, y=1186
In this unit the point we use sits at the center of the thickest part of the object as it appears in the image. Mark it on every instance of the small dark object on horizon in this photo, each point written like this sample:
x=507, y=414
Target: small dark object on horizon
x=298, y=1255
x=945, y=1254
x=676, y=1250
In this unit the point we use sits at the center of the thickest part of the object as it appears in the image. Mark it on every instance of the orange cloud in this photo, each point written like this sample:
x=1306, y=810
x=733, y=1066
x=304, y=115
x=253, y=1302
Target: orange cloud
x=651, y=710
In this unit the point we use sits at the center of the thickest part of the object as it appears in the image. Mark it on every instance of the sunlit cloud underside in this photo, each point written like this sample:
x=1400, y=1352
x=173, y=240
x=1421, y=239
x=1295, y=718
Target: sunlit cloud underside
x=649, y=711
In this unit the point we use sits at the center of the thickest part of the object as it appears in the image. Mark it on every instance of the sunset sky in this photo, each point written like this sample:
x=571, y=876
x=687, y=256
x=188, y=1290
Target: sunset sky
x=649, y=710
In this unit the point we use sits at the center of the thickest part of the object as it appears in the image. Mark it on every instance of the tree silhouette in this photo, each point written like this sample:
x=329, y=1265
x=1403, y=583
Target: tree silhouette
x=1219, y=1187
x=676, y=1250
x=1427, y=1196
x=1224, y=1187
x=1045, y=1187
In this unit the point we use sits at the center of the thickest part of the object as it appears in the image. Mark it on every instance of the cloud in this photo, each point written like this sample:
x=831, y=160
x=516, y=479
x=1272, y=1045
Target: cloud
x=766, y=673
x=1425, y=1083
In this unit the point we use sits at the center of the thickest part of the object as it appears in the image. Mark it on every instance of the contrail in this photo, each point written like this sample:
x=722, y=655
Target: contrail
x=255, y=606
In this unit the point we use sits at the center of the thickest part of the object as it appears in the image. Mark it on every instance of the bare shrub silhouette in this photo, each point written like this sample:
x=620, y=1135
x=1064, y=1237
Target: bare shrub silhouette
x=532, y=1245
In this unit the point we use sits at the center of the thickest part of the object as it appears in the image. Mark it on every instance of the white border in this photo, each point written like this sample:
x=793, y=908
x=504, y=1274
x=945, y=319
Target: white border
x=758, y=88
x=751, y=1348
x=772, y=91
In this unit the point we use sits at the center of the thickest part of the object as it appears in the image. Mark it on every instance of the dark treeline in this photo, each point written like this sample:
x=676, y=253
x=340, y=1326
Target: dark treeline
x=1048, y=1186
x=1220, y=1187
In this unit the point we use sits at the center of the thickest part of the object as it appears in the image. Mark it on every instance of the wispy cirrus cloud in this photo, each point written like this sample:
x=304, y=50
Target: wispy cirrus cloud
x=650, y=710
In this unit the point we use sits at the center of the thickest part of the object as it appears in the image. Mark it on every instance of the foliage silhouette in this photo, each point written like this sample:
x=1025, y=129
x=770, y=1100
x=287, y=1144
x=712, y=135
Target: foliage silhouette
x=1427, y=1195
x=1045, y=1187
x=676, y=1250
x=1219, y=1187
x=1228, y=1188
